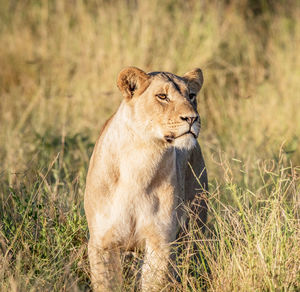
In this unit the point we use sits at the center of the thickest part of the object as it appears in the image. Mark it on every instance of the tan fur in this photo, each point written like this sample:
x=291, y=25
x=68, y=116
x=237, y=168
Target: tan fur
x=141, y=174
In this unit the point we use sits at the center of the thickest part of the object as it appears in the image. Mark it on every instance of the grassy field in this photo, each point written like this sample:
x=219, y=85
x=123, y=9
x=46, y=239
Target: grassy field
x=58, y=66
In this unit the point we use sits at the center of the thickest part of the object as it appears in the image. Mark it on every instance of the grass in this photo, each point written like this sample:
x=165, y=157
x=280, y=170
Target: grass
x=59, y=62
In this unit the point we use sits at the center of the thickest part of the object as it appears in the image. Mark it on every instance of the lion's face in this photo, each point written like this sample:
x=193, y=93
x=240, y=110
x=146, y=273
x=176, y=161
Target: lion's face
x=162, y=106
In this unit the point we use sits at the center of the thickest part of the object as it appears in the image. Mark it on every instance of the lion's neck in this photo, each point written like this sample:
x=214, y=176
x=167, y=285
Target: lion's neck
x=138, y=160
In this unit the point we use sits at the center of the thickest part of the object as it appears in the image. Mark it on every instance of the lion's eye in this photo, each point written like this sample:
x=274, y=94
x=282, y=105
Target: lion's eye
x=162, y=96
x=192, y=96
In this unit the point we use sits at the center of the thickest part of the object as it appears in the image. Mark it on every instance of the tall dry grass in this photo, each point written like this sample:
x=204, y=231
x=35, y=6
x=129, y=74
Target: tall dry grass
x=58, y=66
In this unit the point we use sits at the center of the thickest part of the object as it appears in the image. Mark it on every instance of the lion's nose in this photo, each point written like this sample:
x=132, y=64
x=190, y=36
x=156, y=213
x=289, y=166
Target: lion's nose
x=190, y=119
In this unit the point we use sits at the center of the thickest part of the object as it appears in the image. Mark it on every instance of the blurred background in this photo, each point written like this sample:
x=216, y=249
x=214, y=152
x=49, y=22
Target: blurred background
x=59, y=61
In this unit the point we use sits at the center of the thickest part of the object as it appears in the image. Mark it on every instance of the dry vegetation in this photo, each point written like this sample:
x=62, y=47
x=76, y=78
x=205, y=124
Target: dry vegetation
x=58, y=65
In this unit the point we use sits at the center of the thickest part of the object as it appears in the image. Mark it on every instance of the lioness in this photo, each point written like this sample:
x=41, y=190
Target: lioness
x=146, y=164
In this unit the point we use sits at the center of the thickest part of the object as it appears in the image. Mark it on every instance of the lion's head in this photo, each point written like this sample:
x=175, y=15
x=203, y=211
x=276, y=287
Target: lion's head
x=161, y=106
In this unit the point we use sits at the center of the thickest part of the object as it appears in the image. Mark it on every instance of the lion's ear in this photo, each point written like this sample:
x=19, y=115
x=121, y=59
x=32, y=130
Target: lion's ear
x=132, y=80
x=194, y=79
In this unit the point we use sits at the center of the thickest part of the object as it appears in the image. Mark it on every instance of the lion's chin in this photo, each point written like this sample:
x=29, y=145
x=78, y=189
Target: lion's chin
x=185, y=142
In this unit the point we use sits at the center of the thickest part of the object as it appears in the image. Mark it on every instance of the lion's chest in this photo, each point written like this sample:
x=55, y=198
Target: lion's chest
x=148, y=191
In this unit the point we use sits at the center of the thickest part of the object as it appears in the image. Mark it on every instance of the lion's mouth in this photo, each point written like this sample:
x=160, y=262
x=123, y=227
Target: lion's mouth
x=172, y=137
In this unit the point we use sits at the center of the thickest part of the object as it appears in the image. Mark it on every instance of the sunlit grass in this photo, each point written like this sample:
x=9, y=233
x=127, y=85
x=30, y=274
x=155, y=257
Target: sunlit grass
x=58, y=66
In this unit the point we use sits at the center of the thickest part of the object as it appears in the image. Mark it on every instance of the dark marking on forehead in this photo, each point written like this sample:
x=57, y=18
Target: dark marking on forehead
x=172, y=81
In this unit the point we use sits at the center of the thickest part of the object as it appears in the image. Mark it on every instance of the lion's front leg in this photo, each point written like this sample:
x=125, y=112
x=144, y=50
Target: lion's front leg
x=106, y=273
x=156, y=262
